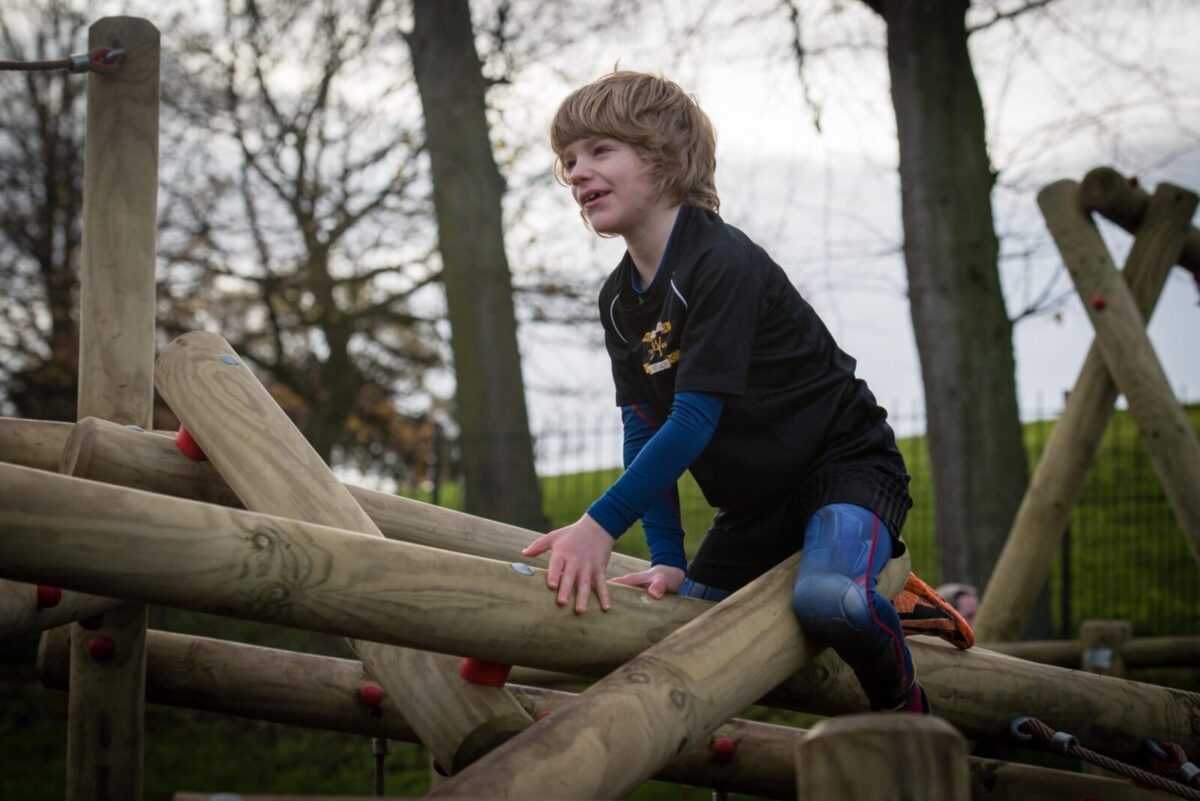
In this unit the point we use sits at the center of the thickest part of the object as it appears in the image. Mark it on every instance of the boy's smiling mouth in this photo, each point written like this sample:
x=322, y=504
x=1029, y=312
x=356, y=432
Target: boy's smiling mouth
x=588, y=198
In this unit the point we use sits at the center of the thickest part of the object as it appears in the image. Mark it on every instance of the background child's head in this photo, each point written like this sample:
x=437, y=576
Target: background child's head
x=664, y=124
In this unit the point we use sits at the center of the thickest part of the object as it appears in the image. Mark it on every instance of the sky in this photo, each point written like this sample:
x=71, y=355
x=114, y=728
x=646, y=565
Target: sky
x=1077, y=86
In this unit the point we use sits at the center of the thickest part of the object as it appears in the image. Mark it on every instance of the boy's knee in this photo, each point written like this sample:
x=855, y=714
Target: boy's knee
x=830, y=605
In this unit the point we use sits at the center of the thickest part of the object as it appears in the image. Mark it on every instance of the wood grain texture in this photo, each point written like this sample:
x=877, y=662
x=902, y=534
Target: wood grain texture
x=273, y=469
x=205, y=557
x=882, y=757
x=1058, y=479
x=116, y=362
x=1165, y=431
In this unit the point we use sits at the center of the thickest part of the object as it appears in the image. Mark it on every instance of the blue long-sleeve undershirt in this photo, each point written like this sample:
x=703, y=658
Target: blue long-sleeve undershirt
x=654, y=461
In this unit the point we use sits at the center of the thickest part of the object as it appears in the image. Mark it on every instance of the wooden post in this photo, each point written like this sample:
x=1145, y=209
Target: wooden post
x=1103, y=644
x=1166, y=432
x=1057, y=481
x=1102, y=641
x=884, y=758
x=213, y=559
x=116, y=358
x=273, y=469
x=321, y=692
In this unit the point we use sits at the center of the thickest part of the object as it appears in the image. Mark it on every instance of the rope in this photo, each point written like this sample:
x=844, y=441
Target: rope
x=1027, y=728
x=104, y=60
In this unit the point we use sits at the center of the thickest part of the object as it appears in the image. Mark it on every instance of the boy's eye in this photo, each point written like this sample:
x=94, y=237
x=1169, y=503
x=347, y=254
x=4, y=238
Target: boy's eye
x=569, y=164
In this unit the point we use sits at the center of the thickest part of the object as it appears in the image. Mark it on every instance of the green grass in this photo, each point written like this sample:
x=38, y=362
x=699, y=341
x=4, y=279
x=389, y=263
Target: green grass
x=1129, y=560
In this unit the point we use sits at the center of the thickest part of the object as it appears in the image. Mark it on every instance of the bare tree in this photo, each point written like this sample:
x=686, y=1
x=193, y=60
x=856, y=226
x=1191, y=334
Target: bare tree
x=41, y=188
x=295, y=218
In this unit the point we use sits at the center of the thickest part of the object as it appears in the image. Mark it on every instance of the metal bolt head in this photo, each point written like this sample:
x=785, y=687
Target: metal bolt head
x=522, y=568
x=225, y=357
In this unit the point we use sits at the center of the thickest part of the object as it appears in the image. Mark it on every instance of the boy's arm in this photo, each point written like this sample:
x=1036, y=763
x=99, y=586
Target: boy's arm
x=580, y=552
x=661, y=520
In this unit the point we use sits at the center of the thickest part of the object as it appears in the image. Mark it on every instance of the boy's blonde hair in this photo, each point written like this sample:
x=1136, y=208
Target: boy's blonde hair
x=664, y=124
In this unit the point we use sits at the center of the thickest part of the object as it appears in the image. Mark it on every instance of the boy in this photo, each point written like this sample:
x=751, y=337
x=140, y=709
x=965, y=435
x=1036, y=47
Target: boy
x=722, y=368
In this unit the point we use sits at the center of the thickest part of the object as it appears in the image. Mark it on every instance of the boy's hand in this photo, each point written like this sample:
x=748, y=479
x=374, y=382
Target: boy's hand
x=658, y=580
x=578, y=561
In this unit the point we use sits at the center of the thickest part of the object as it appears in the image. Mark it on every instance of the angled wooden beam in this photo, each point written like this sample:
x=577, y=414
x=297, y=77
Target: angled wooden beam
x=1166, y=433
x=1058, y=479
x=627, y=726
x=273, y=469
x=95, y=537
x=116, y=358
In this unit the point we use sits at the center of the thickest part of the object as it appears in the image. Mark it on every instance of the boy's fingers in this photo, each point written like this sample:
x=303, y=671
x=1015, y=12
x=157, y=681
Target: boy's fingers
x=565, y=586
x=540, y=545
x=602, y=594
x=555, y=572
x=658, y=587
x=582, y=592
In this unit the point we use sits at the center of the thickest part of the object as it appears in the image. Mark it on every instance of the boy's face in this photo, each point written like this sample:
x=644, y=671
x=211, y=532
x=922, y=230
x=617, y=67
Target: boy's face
x=611, y=184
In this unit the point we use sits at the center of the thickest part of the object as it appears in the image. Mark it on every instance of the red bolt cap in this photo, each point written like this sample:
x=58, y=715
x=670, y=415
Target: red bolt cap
x=370, y=694
x=1099, y=302
x=1133, y=181
x=545, y=713
x=101, y=647
x=723, y=749
x=188, y=445
x=92, y=623
x=48, y=596
x=489, y=674
x=437, y=766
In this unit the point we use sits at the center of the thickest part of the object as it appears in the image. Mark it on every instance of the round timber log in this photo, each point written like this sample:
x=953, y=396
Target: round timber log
x=95, y=537
x=273, y=469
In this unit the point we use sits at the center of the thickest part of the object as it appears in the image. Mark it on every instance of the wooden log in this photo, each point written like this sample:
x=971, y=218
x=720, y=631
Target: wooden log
x=33, y=443
x=321, y=692
x=104, y=451
x=1057, y=482
x=273, y=469
x=882, y=757
x=1107, y=192
x=116, y=358
x=1140, y=652
x=1166, y=432
x=627, y=726
x=199, y=556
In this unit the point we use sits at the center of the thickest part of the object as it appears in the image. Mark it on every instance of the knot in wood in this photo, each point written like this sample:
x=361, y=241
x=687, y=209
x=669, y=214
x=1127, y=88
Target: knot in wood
x=263, y=539
x=679, y=698
x=637, y=678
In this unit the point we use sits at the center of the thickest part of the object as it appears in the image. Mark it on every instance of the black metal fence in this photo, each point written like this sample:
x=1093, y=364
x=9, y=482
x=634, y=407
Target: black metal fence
x=1124, y=555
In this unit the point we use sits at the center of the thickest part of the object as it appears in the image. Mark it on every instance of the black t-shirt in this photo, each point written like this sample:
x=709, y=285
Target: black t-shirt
x=722, y=318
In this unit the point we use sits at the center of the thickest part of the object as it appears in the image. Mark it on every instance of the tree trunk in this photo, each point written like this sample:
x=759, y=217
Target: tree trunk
x=498, y=466
x=964, y=336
